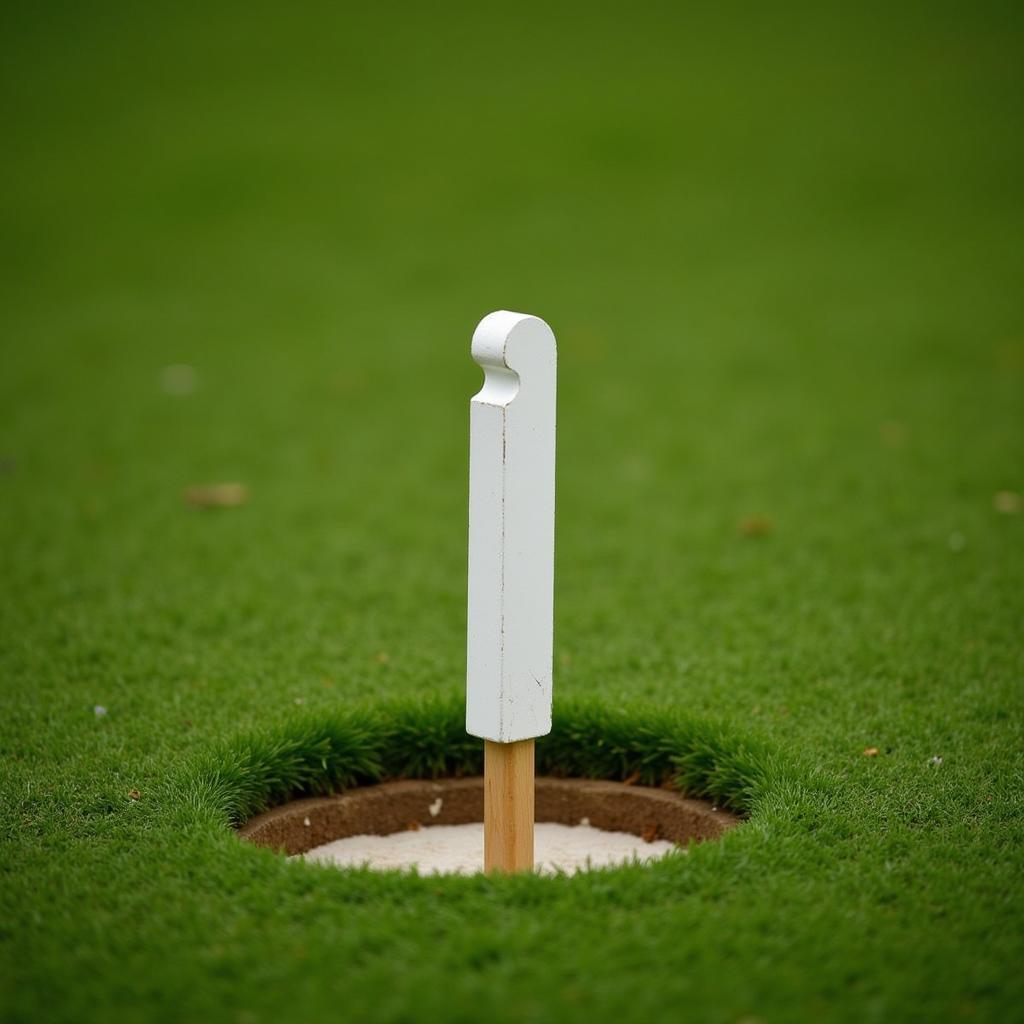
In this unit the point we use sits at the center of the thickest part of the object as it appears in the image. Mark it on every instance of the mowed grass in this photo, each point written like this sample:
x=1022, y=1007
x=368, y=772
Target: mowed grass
x=781, y=252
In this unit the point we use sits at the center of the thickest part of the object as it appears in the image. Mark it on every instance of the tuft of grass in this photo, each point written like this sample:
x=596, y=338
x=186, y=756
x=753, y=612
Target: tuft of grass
x=316, y=753
x=703, y=757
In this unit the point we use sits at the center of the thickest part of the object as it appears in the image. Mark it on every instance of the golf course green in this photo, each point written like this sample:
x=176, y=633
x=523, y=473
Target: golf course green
x=244, y=248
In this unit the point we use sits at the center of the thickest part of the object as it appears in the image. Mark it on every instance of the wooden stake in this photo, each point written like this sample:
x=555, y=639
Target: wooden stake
x=508, y=806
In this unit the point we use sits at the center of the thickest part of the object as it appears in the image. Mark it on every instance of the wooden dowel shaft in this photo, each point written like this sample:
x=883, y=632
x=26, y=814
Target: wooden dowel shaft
x=508, y=806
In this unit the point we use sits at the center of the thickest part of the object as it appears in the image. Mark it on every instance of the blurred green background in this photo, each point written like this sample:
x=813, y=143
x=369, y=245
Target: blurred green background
x=781, y=251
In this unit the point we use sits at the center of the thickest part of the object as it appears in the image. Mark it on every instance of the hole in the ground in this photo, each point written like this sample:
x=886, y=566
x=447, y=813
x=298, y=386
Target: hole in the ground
x=434, y=824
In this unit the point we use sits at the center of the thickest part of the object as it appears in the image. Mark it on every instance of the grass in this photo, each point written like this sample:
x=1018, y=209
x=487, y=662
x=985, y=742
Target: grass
x=781, y=254
x=357, y=747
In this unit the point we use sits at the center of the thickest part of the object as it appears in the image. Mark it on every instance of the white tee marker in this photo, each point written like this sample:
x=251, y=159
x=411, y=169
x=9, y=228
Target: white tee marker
x=511, y=572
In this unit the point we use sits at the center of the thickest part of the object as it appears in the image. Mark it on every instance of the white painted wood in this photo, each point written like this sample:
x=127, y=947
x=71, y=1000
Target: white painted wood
x=511, y=530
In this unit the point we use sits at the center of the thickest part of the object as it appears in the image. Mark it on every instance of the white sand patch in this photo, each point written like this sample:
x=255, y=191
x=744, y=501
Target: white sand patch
x=459, y=849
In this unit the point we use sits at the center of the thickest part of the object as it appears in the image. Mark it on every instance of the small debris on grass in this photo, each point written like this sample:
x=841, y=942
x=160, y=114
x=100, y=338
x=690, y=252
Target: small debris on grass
x=226, y=495
x=134, y=794
x=99, y=710
x=936, y=760
x=300, y=700
x=179, y=380
x=871, y=751
x=1009, y=503
x=383, y=657
x=1010, y=357
x=98, y=470
x=755, y=526
x=893, y=433
x=956, y=541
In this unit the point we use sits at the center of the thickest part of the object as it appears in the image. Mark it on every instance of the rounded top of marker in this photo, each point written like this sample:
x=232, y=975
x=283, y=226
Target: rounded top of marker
x=499, y=335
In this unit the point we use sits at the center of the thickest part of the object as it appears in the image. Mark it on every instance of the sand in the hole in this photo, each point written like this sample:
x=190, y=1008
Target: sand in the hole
x=459, y=849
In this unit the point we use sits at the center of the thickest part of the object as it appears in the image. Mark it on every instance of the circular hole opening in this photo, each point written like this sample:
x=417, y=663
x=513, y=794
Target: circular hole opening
x=660, y=819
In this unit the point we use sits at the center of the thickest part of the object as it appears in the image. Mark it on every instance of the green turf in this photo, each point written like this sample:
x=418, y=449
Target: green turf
x=781, y=251
x=319, y=754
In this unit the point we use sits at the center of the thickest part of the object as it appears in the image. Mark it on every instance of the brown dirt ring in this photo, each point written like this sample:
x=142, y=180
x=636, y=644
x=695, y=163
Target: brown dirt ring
x=391, y=807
